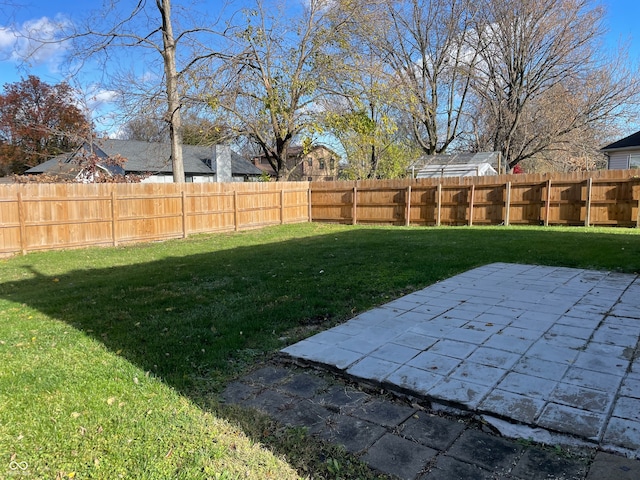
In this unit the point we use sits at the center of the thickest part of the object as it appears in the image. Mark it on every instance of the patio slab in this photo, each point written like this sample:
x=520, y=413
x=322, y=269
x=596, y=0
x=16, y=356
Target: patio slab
x=550, y=348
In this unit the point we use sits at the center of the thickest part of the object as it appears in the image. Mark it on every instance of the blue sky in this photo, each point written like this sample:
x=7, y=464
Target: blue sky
x=621, y=22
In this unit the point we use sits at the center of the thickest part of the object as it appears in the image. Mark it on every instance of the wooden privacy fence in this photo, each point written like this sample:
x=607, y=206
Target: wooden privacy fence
x=55, y=216
x=595, y=198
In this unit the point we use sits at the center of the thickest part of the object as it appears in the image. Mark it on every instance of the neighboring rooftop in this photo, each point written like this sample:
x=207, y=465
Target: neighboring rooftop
x=630, y=142
x=152, y=157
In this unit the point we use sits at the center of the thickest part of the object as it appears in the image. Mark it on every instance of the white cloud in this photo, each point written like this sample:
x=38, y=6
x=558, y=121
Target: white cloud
x=100, y=98
x=35, y=42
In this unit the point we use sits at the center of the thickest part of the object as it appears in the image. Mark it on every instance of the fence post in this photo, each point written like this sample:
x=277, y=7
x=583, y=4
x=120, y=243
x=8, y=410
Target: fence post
x=472, y=191
x=439, y=204
x=235, y=210
x=309, y=204
x=114, y=218
x=547, y=206
x=507, y=204
x=354, y=220
x=23, y=226
x=184, y=213
x=587, y=213
x=281, y=205
x=408, y=214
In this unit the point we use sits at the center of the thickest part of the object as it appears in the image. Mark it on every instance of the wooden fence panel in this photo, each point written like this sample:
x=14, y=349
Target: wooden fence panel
x=566, y=206
x=489, y=204
x=526, y=203
x=613, y=203
x=295, y=205
x=384, y=205
x=332, y=204
x=52, y=216
x=454, y=205
x=569, y=199
x=148, y=212
x=424, y=205
x=209, y=211
x=55, y=216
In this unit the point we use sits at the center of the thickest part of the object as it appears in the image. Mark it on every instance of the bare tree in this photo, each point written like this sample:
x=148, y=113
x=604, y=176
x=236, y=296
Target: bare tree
x=148, y=26
x=424, y=47
x=542, y=77
x=269, y=91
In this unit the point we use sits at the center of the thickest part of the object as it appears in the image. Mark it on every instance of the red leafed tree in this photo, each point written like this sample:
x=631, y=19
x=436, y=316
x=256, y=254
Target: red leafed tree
x=37, y=122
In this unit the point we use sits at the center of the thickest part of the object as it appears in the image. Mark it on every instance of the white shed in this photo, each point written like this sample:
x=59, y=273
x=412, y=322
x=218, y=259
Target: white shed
x=457, y=165
x=436, y=171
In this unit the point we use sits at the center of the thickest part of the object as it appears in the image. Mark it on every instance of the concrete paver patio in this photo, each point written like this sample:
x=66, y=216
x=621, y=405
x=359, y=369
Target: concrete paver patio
x=552, y=349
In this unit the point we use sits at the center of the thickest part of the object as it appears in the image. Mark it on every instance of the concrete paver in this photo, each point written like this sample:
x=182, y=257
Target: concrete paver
x=539, y=464
x=405, y=440
x=530, y=349
x=397, y=456
x=448, y=467
x=551, y=347
x=431, y=430
x=355, y=435
x=613, y=467
x=488, y=451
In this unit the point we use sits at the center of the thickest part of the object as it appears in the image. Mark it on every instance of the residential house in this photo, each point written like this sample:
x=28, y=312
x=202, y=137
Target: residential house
x=320, y=163
x=623, y=154
x=457, y=165
x=153, y=160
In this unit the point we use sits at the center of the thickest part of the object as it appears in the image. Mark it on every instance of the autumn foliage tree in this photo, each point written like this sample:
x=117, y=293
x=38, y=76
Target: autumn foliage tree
x=37, y=122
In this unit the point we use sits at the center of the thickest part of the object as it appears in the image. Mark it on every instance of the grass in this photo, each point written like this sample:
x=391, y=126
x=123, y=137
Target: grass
x=112, y=359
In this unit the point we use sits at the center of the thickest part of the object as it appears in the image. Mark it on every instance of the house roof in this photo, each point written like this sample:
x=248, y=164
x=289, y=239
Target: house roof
x=142, y=157
x=632, y=141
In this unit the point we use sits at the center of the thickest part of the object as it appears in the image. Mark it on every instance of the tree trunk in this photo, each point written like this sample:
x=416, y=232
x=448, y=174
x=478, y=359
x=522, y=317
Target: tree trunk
x=173, y=99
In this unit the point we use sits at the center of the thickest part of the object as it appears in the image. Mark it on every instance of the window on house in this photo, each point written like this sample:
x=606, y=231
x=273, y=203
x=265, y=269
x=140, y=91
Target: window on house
x=634, y=160
x=332, y=164
x=310, y=179
x=310, y=161
x=321, y=164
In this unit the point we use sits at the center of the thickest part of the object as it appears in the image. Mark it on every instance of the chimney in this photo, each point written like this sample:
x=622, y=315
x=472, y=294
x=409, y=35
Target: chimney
x=222, y=157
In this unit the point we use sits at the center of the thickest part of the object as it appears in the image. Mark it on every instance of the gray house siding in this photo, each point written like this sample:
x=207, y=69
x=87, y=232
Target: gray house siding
x=619, y=161
x=624, y=154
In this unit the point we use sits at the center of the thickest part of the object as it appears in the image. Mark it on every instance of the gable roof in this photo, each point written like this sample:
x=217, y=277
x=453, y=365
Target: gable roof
x=143, y=157
x=632, y=141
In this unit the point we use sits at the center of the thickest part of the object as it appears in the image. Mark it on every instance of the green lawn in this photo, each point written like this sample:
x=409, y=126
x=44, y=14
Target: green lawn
x=111, y=359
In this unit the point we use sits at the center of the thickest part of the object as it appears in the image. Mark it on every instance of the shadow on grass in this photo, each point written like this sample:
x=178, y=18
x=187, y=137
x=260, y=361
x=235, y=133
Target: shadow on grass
x=197, y=320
